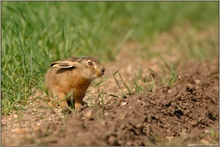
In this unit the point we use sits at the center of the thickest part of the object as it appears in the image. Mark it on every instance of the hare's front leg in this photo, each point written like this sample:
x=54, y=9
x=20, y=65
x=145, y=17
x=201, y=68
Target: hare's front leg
x=78, y=102
x=62, y=99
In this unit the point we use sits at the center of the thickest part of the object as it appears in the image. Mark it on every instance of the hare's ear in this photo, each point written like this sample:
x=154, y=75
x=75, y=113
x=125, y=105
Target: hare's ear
x=65, y=64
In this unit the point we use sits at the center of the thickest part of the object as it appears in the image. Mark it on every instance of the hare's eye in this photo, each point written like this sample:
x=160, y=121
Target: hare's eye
x=90, y=63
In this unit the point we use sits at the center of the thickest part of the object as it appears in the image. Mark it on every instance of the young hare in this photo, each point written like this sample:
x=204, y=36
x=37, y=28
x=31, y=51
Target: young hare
x=69, y=79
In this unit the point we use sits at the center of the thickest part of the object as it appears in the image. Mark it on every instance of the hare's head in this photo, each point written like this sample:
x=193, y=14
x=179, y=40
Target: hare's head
x=89, y=67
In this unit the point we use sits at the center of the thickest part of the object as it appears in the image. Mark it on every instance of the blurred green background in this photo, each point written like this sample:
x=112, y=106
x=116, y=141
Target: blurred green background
x=36, y=33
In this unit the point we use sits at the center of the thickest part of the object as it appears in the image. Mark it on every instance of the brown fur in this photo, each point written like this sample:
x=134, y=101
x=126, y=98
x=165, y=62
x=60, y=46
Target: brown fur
x=71, y=77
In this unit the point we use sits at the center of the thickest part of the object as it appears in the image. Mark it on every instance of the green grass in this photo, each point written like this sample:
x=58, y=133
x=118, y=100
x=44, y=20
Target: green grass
x=36, y=33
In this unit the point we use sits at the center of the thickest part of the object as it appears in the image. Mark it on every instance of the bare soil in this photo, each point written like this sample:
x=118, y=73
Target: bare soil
x=184, y=113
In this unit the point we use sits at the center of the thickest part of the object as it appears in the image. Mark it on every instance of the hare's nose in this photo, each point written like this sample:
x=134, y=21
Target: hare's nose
x=103, y=70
